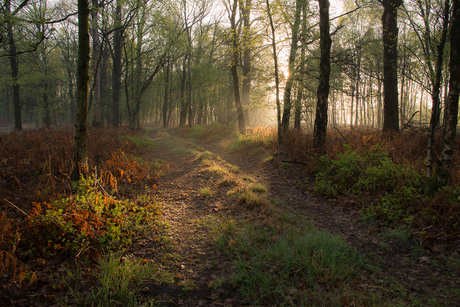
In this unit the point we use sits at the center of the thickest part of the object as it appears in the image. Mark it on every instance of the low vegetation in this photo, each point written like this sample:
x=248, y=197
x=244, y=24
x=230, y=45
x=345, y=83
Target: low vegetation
x=88, y=231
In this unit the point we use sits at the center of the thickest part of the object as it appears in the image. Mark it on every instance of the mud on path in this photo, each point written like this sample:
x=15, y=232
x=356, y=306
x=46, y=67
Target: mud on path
x=402, y=269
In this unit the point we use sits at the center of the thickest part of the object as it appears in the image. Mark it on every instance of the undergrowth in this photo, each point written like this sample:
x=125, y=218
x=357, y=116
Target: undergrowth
x=371, y=172
x=44, y=215
x=386, y=174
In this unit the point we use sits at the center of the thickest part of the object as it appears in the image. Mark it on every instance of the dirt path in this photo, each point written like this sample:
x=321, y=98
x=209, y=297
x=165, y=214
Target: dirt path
x=201, y=264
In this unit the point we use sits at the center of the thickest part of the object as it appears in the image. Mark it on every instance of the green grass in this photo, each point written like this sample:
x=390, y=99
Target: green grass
x=305, y=268
x=396, y=233
x=139, y=141
x=214, y=131
x=258, y=188
x=206, y=192
x=119, y=281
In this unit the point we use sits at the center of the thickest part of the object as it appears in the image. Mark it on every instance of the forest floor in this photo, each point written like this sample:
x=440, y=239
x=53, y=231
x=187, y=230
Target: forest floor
x=203, y=217
x=403, y=273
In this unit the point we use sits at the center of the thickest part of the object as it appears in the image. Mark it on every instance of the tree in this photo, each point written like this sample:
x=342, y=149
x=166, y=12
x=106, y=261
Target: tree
x=390, y=62
x=291, y=65
x=12, y=51
x=427, y=33
x=80, y=160
x=275, y=60
x=451, y=107
x=117, y=68
x=246, y=42
x=96, y=67
x=320, y=129
x=234, y=66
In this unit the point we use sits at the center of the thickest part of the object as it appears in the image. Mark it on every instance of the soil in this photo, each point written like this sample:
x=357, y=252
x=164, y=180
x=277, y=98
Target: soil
x=202, y=271
x=288, y=184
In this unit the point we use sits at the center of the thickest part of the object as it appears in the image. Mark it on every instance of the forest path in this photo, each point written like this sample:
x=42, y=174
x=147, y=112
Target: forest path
x=198, y=263
x=202, y=264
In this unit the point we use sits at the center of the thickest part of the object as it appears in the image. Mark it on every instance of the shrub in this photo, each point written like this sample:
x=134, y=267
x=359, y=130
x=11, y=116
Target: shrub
x=373, y=173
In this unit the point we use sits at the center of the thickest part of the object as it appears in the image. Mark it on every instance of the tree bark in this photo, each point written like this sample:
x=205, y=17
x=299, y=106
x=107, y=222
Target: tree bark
x=277, y=82
x=96, y=48
x=189, y=78
x=14, y=69
x=183, y=103
x=291, y=67
x=116, y=74
x=234, y=68
x=246, y=89
x=138, y=71
x=320, y=128
x=390, y=62
x=444, y=169
x=165, y=104
x=80, y=160
x=435, y=112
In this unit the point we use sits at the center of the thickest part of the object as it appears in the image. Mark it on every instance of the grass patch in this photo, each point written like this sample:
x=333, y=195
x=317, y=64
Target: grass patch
x=205, y=192
x=245, y=196
x=139, y=141
x=305, y=268
x=180, y=151
x=253, y=143
x=259, y=188
x=396, y=233
x=205, y=155
x=120, y=280
x=214, y=131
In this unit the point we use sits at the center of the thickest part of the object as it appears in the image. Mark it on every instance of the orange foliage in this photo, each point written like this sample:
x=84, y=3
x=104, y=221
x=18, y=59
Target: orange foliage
x=35, y=169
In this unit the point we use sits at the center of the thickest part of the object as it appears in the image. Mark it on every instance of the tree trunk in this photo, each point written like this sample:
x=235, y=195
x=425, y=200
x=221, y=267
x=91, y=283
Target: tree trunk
x=358, y=82
x=138, y=71
x=46, y=103
x=390, y=62
x=277, y=82
x=320, y=129
x=80, y=160
x=435, y=112
x=96, y=46
x=234, y=69
x=14, y=69
x=246, y=90
x=116, y=78
x=183, y=109
x=165, y=104
x=444, y=169
x=291, y=67
x=189, y=78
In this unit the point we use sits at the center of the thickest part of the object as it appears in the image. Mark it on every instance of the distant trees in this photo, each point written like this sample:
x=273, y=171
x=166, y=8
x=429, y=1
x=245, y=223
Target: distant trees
x=272, y=61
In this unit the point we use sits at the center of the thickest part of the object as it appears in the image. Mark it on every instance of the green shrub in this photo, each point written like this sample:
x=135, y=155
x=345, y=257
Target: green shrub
x=372, y=173
x=93, y=218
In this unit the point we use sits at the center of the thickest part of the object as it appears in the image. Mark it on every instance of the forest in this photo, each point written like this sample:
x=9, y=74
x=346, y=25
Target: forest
x=228, y=153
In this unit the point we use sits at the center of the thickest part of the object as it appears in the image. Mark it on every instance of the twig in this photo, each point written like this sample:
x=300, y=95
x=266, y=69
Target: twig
x=406, y=125
x=10, y=203
x=342, y=135
x=313, y=155
x=103, y=189
x=294, y=161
